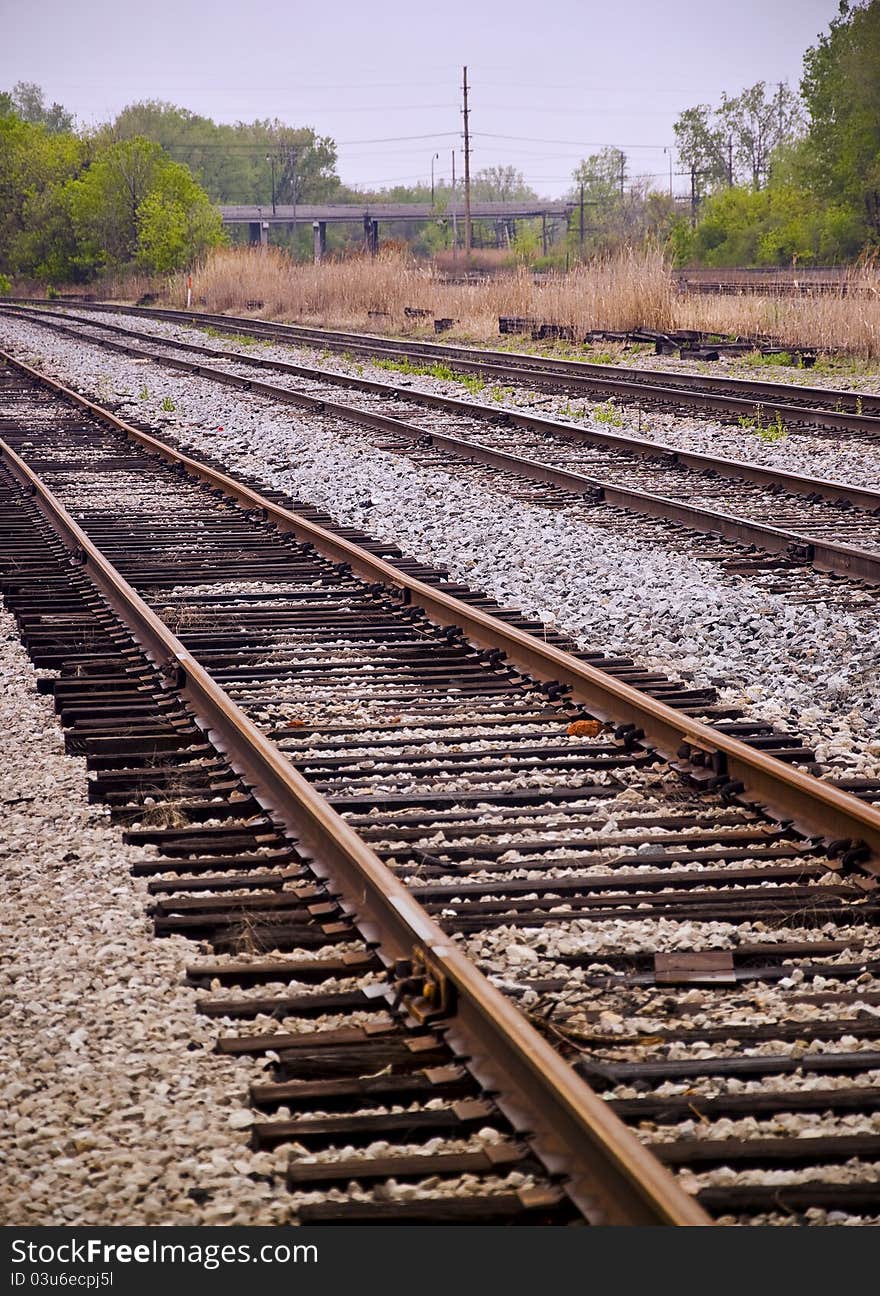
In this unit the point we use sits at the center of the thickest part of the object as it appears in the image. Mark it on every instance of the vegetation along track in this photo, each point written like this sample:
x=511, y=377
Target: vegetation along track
x=833, y=526
x=704, y=965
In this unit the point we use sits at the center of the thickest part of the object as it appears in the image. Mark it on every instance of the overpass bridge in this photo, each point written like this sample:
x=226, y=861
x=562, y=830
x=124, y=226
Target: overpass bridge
x=369, y=215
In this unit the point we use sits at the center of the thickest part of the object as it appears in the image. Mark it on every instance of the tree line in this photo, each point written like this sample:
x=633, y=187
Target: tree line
x=73, y=205
x=775, y=176
x=780, y=177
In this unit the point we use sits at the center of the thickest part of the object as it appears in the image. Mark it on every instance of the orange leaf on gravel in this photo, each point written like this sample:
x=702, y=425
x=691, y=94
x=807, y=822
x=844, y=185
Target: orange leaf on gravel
x=584, y=728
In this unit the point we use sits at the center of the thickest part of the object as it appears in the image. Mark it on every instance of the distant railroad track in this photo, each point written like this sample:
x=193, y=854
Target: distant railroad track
x=808, y=281
x=833, y=526
x=814, y=407
x=410, y=744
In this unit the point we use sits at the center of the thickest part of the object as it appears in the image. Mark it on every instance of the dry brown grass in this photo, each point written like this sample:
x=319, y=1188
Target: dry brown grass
x=619, y=293
x=633, y=288
x=850, y=321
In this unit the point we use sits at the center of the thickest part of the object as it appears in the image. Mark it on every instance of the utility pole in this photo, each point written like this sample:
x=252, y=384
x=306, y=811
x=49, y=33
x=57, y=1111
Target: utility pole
x=581, y=228
x=454, y=216
x=293, y=159
x=779, y=108
x=730, y=160
x=622, y=170
x=693, y=194
x=468, y=233
x=290, y=167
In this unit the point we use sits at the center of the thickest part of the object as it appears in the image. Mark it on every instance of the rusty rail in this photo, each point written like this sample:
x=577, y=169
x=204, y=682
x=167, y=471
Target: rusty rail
x=736, y=469
x=816, y=808
x=824, y=555
x=607, y=1173
x=837, y=409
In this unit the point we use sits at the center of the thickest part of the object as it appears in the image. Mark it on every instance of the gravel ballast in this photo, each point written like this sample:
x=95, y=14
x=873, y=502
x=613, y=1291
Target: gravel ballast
x=460, y=506
x=810, y=660
x=115, y=1108
x=854, y=459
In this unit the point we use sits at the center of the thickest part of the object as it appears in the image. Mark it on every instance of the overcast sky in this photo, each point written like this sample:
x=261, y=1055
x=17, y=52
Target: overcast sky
x=552, y=82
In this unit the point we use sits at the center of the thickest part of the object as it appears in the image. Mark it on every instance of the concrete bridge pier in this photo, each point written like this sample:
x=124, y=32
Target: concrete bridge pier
x=371, y=235
x=319, y=231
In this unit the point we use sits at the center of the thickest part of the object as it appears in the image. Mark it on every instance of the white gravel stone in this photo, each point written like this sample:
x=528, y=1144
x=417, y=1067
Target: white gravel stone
x=854, y=459
x=639, y=594
x=114, y=1106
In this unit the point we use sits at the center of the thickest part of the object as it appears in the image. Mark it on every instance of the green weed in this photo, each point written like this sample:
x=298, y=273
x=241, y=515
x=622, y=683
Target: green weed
x=608, y=413
x=757, y=359
x=168, y=405
x=241, y=338
x=835, y=365
x=571, y=411
x=775, y=431
x=473, y=382
x=144, y=394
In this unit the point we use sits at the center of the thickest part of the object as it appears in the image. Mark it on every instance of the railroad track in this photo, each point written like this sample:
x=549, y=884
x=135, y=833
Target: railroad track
x=834, y=410
x=832, y=526
x=328, y=744
x=798, y=283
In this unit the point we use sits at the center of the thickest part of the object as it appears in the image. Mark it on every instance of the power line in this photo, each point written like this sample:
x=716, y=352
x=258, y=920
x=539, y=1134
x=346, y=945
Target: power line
x=532, y=139
x=305, y=85
x=270, y=138
x=532, y=108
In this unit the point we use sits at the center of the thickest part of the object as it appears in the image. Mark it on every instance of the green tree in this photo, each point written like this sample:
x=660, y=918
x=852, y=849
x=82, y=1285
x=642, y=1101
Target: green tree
x=135, y=204
x=702, y=148
x=806, y=193
x=234, y=163
x=176, y=221
x=501, y=184
x=71, y=204
x=29, y=103
x=841, y=89
x=617, y=211
x=602, y=176
x=196, y=141
x=104, y=203
x=36, y=235
x=781, y=224
x=738, y=140
x=756, y=126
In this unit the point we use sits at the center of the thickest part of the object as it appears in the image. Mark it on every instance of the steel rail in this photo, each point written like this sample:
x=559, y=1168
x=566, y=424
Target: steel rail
x=816, y=808
x=607, y=1173
x=845, y=560
x=736, y=469
x=747, y=396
